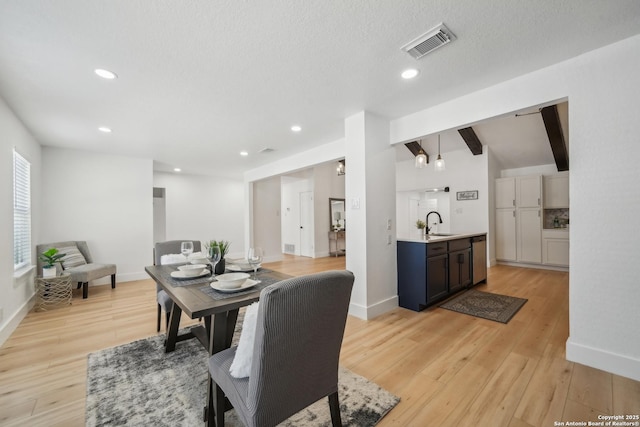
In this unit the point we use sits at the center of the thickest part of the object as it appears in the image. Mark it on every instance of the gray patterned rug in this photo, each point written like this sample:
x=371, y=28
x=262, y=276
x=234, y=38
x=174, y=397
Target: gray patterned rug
x=500, y=308
x=139, y=384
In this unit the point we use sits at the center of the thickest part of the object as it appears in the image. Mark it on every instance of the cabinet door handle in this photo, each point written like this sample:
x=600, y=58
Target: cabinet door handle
x=538, y=201
x=514, y=202
x=460, y=258
x=514, y=214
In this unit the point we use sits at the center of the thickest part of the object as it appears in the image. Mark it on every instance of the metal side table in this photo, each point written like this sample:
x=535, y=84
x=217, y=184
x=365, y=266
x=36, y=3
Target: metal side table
x=53, y=292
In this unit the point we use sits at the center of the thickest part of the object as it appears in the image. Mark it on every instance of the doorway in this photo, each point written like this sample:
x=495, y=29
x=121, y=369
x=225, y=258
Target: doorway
x=306, y=224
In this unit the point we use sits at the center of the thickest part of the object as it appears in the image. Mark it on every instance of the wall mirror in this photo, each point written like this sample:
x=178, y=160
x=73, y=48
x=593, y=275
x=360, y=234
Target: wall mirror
x=336, y=214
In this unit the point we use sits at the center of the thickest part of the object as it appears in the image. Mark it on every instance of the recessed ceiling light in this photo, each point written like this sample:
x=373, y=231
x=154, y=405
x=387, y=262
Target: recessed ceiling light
x=244, y=153
x=106, y=74
x=104, y=129
x=177, y=170
x=410, y=73
x=296, y=128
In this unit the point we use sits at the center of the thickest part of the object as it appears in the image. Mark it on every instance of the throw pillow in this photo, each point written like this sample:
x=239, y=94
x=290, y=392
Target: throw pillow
x=73, y=257
x=241, y=365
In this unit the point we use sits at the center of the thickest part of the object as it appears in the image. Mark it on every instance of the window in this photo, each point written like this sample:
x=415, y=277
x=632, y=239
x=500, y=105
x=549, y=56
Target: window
x=21, y=211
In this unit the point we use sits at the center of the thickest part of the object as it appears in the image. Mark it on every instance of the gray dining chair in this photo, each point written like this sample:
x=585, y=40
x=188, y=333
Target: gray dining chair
x=299, y=331
x=167, y=248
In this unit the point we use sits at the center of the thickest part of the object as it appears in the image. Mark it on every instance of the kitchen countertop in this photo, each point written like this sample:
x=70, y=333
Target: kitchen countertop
x=435, y=239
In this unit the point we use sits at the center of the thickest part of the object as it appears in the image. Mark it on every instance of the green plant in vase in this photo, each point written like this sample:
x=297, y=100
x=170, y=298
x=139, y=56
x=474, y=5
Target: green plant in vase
x=50, y=257
x=224, y=249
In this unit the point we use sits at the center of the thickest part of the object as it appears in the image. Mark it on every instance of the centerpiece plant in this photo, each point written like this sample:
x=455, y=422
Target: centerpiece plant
x=224, y=249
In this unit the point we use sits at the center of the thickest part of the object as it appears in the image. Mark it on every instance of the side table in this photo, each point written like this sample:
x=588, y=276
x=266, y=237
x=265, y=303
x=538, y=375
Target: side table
x=53, y=291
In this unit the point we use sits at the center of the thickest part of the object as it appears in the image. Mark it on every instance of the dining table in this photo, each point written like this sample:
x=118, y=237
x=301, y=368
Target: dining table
x=198, y=299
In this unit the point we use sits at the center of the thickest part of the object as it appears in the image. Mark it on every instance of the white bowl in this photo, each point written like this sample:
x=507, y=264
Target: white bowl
x=231, y=280
x=192, y=269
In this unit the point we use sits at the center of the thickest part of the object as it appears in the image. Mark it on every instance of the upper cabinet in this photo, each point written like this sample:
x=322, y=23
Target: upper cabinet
x=556, y=191
x=505, y=193
x=519, y=191
x=529, y=191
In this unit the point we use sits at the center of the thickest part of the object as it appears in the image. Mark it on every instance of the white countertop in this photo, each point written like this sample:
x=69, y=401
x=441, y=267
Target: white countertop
x=434, y=239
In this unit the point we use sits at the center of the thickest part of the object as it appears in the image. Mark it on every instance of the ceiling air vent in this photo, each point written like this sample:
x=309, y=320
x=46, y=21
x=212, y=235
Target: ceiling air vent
x=426, y=43
x=266, y=150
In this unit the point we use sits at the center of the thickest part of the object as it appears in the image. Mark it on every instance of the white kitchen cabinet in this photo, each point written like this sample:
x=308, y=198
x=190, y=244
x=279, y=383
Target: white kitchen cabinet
x=505, y=193
x=556, y=191
x=529, y=191
x=506, y=234
x=529, y=235
x=519, y=219
x=555, y=247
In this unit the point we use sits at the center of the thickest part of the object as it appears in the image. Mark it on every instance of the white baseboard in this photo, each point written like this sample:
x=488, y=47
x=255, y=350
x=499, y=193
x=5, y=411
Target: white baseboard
x=124, y=277
x=12, y=324
x=600, y=359
x=373, y=310
x=538, y=266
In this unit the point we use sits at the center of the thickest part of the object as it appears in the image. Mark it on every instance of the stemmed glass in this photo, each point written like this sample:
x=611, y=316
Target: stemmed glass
x=187, y=249
x=214, y=254
x=255, y=258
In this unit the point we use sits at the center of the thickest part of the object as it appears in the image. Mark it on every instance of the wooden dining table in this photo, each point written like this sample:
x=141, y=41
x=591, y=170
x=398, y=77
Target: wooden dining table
x=219, y=310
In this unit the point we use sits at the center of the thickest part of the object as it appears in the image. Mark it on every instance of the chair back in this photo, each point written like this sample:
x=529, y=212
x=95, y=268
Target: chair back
x=80, y=244
x=299, y=333
x=171, y=247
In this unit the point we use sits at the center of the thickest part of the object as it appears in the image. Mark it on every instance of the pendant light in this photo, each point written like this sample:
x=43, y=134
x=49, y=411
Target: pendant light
x=421, y=158
x=439, y=164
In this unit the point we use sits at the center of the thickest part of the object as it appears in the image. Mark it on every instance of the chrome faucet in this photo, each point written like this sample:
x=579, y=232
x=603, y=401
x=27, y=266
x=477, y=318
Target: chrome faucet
x=427, y=220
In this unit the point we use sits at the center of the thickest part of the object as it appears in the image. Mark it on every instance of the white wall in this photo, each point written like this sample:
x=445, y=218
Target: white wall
x=204, y=208
x=104, y=199
x=266, y=229
x=603, y=88
x=327, y=184
x=291, y=187
x=16, y=291
x=464, y=172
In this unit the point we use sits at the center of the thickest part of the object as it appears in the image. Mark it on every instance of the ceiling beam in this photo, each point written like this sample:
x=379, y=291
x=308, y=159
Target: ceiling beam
x=556, y=137
x=414, y=147
x=471, y=139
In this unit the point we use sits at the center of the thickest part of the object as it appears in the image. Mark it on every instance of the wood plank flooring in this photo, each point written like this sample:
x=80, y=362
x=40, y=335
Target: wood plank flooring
x=449, y=369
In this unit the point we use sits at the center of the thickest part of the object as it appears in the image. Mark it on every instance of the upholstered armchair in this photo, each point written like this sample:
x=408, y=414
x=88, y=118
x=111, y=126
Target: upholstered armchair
x=78, y=262
x=167, y=248
x=296, y=348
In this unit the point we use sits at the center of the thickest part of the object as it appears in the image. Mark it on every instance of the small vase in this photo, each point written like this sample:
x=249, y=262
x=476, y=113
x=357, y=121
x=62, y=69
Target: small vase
x=220, y=267
x=49, y=271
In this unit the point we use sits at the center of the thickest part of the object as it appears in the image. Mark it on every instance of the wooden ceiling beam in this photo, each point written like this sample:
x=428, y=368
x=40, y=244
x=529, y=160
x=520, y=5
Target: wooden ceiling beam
x=414, y=147
x=471, y=139
x=552, y=124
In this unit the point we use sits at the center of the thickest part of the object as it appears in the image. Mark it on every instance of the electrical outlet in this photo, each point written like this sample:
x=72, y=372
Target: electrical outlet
x=388, y=239
x=1, y=314
x=389, y=224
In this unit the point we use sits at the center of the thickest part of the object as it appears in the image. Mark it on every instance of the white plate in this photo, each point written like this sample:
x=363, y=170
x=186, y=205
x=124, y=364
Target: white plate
x=248, y=284
x=180, y=274
x=243, y=268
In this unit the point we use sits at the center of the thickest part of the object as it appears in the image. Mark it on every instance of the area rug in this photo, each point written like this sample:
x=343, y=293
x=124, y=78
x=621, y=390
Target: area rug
x=139, y=384
x=500, y=308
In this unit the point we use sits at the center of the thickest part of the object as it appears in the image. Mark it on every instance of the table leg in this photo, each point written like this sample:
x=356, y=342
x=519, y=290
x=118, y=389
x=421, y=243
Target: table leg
x=172, y=331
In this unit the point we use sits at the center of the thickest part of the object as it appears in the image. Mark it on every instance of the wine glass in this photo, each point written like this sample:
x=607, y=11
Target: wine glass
x=187, y=249
x=214, y=254
x=255, y=258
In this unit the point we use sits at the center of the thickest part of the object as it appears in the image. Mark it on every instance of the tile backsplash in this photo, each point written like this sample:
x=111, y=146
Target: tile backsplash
x=550, y=214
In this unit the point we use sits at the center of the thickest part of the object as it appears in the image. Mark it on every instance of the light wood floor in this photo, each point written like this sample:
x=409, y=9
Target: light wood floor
x=447, y=368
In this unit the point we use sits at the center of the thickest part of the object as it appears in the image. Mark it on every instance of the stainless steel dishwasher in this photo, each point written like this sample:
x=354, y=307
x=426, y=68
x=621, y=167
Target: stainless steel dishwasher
x=479, y=253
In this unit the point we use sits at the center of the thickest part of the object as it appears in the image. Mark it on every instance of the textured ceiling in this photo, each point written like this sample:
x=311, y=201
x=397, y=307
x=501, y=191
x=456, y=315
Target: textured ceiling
x=201, y=80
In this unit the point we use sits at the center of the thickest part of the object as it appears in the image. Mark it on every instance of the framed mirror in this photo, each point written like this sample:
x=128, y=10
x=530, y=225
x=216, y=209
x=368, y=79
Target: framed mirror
x=336, y=214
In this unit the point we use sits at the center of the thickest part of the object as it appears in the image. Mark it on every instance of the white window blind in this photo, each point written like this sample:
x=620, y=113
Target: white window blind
x=21, y=211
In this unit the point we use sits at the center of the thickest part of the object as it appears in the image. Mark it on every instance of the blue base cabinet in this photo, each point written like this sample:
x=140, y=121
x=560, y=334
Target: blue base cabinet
x=431, y=272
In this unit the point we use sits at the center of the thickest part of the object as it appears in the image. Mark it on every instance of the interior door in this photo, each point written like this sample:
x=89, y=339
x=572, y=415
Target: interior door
x=306, y=224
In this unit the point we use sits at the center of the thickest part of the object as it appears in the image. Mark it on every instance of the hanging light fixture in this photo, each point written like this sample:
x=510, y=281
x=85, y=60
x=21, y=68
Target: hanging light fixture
x=340, y=168
x=439, y=164
x=421, y=158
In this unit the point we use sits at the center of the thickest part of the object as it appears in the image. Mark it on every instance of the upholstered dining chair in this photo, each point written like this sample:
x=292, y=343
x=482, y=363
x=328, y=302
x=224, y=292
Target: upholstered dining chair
x=298, y=335
x=169, y=247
